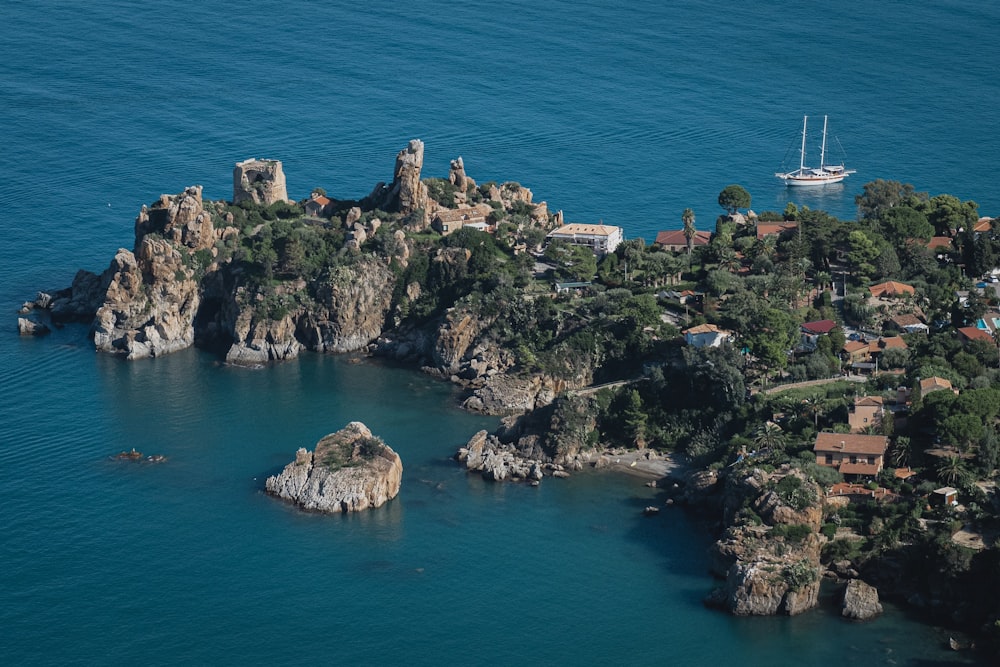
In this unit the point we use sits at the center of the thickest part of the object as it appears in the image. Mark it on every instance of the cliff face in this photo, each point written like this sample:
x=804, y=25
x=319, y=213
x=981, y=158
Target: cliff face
x=352, y=308
x=149, y=304
x=349, y=471
x=771, y=568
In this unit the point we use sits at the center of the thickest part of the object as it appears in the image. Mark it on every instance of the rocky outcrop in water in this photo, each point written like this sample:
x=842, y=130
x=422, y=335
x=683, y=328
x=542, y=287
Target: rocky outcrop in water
x=349, y=471
x=149, y=304
x=860, y=601
x=771, y=567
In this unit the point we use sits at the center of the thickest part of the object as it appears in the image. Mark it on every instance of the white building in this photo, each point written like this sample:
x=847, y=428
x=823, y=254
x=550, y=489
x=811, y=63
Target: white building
x=706, y=335
x=601, y=239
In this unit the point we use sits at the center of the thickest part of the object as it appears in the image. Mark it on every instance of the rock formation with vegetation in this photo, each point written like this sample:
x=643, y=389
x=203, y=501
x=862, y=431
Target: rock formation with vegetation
x=349, y=471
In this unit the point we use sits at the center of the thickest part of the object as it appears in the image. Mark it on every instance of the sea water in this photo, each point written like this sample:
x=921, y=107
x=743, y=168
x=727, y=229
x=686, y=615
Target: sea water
x=622, y=114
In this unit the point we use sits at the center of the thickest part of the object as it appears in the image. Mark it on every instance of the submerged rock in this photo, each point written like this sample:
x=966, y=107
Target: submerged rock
x=349, y=471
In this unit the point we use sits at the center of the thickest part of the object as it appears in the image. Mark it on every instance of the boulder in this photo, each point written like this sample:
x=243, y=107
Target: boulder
x=29, y=327
x=860, y=601
x=349, y=471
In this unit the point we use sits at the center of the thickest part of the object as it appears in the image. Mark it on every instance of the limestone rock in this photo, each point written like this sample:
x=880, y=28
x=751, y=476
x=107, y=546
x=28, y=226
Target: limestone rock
x=349, y=471
x=258, y=340
x=354, y=303
x=406, y=194
x=180, y=218
x=259, y=181
x=29, y=327
x=457, y=175
x=149, y=304
x=860, y=601
x=80, y=300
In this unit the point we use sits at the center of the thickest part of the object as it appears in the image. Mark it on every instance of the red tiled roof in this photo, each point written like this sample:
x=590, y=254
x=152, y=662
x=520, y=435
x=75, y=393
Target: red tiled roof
x=984, y=224
x=890, y=288
x=939, y=242
x=932, y=383
x=851, y=443
x=858, y=468
x=775, y=228
x=676, y=238
x=819, y=326
x=972, y=333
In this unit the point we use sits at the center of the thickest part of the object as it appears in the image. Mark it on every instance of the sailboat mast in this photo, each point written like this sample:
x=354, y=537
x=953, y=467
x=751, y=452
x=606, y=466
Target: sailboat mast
x=802, y=151
x=822, y=150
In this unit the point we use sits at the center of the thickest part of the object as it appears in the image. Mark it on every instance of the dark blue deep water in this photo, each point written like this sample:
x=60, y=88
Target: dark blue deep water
x=621, y=113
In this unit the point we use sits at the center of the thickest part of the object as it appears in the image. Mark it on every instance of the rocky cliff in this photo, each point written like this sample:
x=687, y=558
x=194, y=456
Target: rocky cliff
x=349, y=471
x=770, y=552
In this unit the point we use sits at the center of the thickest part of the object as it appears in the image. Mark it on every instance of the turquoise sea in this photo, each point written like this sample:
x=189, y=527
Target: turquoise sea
x=621, y=113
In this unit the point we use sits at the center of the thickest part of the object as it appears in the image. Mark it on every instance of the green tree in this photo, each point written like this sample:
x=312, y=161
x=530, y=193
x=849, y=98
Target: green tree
x=947, y=213
x=634, y=418
x=881, y=195
x=733, y=198
x=769, y=436
x=689, y=231
x=952, y=470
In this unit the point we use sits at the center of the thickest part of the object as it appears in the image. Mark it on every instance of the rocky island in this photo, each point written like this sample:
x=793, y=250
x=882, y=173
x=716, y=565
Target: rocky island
x=348, y=471
x=874, y=464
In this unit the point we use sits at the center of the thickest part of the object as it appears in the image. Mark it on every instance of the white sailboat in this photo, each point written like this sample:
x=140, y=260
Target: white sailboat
x=821, y=175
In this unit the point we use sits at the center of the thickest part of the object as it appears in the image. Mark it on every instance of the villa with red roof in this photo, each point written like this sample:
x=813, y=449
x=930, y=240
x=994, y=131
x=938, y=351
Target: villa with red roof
x=675, y=240
x=890, y=288
x=851, y=453
x=969, y=334
x=811, y=331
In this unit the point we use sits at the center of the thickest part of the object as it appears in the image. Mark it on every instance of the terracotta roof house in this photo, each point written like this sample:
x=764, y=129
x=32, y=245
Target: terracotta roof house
x=675, y=240
x=859, y=351
x=969, y=334
x=866, y=412
x=927, y=385
x=890, y=288
x=984, y=224
x=910, y=323
x=601, y=239
x=850, y=453
x=819, y=327
x=318, y=206
x=706, y=335
x=939, y=243
x=856, y=351
x=887, y=343
x=449, y=220
x=811, y=331
x=775, y=229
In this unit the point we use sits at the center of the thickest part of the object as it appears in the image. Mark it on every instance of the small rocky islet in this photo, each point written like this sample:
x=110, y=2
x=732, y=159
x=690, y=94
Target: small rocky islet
x=348, y=471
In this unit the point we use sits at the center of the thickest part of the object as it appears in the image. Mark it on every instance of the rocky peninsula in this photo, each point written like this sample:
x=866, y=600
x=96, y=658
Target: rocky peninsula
x=658, y=350
x=348, y=471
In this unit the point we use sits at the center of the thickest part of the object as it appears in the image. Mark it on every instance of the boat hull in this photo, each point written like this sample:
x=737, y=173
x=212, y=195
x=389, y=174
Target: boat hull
x=801, y=181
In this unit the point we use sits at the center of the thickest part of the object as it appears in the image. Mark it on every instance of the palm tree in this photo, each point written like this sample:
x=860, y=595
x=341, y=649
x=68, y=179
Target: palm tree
x=952, y=470
x=769, y=436
x=689, y=231
x=900, y=455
